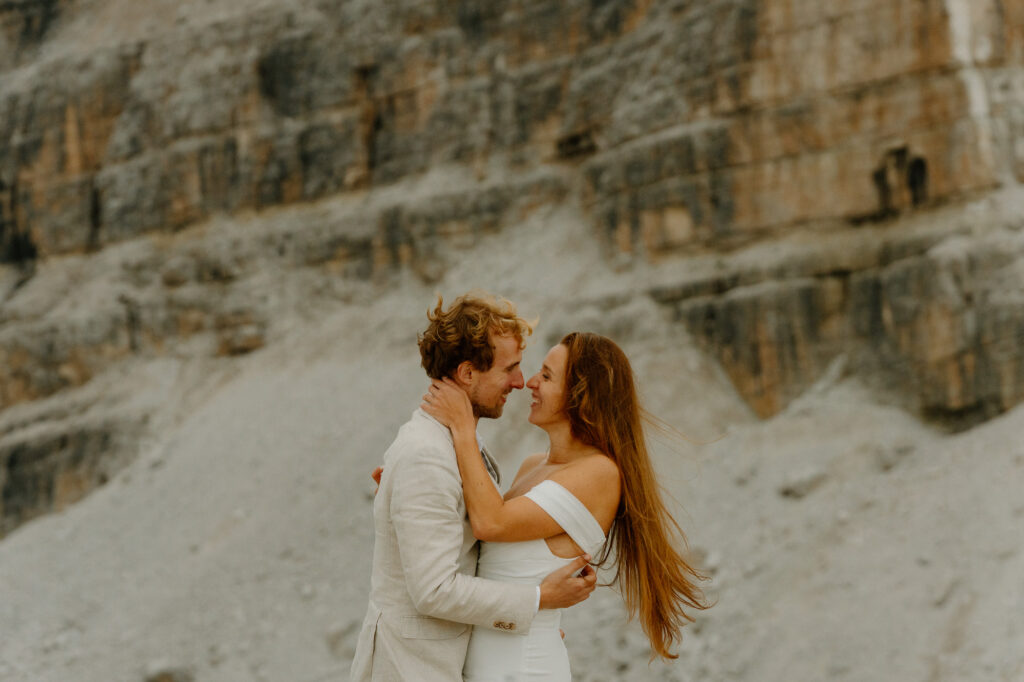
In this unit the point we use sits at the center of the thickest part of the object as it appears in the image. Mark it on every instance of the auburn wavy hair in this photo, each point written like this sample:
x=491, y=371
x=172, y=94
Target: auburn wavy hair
x=462, y=332
x=604, y=412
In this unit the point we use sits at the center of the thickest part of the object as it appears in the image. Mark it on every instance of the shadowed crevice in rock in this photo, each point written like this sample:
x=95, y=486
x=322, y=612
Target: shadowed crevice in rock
x=26, y=22
x=95, y=219
x=304, y=73
x=19, y=248
x=917, y=181
x=281, y=72
x=16, y=245
x=901, y=184
x=56, y=465
x=477, y=19
x=369, y=123
x=575, y=145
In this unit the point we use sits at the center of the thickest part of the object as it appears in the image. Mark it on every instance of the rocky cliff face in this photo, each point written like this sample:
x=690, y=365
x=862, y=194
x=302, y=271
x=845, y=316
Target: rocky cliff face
x=688, y=123
x=792, y=171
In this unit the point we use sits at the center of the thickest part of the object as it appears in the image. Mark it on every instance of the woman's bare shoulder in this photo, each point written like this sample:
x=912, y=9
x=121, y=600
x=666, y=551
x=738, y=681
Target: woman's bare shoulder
x=599, y=464
x=595, y=482
x=531, y=463
x=595, y=471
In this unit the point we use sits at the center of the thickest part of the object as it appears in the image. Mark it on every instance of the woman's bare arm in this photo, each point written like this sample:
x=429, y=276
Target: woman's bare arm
x=592, y=479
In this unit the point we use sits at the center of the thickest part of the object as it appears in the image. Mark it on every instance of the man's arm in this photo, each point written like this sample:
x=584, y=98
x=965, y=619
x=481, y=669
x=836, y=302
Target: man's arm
x=428, y=523
x=568, y=585
x=560, y=589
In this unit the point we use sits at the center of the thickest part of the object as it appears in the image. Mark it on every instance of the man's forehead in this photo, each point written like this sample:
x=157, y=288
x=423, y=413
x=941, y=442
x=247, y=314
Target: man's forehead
x=508, y=340
x=507, y=349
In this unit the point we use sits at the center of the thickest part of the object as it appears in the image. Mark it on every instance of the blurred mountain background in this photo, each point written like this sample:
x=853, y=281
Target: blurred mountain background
x=222, y=223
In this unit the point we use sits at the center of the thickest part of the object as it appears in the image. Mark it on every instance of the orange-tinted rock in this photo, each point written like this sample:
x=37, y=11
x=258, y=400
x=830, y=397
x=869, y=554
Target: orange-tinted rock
x=938, y=331
x=677, y=127
x=732, y=117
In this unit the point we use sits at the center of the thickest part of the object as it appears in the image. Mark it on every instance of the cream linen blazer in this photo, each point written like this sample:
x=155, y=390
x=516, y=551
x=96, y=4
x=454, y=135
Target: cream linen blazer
x=424, y=595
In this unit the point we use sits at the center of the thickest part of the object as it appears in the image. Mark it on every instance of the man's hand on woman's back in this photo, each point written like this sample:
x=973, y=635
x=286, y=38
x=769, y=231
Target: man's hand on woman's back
x=562, y=588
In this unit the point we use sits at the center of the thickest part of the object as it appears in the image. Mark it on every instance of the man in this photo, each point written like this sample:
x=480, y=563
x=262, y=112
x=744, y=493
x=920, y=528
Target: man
x=424, y=595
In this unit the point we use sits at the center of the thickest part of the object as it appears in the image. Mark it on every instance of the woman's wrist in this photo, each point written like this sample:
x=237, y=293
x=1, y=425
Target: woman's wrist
x=466, y=438
x=462, y=428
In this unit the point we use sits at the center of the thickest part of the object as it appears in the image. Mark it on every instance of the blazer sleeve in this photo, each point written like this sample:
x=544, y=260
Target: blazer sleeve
x=428, y=522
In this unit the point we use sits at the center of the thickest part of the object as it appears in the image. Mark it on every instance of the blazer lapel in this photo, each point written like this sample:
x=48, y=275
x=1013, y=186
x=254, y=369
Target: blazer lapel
x=492, y=466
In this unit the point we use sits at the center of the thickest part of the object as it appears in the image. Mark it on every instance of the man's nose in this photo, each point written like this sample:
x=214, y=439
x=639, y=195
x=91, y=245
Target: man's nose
x=517, y=380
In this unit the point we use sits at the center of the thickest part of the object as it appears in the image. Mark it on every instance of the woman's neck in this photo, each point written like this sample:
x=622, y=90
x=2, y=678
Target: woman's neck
x=563, y=447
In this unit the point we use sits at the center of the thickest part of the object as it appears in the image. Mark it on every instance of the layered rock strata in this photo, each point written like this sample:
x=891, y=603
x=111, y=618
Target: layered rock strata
x=54, y=452
x=936, y=320
x=696, y=123
x=165, y=177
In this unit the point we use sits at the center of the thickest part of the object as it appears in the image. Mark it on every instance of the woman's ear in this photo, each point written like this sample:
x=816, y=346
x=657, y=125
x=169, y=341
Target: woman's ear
x=463, y=374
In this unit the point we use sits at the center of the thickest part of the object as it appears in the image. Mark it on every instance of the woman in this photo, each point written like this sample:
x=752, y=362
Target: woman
x=593, y=491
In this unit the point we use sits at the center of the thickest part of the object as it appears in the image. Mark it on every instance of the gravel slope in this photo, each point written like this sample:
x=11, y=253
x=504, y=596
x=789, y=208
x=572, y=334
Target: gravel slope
x=846, y=540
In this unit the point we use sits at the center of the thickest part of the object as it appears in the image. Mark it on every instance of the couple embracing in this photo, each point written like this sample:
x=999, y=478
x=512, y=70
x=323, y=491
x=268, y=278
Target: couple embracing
x=468, y=584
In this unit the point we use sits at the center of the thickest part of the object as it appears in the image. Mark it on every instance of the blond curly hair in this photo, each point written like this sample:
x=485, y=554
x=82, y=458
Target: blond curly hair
x=463, y=331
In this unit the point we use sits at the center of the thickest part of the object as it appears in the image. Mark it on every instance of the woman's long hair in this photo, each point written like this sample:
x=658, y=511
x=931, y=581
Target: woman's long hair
x=604, y=412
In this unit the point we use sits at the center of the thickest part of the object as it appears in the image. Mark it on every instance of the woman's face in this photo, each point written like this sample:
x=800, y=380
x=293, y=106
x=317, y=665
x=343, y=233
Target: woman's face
x=548, y=388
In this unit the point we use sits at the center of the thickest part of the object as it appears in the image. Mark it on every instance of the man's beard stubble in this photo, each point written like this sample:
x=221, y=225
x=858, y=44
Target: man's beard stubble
x=483, y=411
x=486, y=411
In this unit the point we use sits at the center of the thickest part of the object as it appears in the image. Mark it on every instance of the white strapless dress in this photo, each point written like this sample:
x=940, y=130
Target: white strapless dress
x=539, y=655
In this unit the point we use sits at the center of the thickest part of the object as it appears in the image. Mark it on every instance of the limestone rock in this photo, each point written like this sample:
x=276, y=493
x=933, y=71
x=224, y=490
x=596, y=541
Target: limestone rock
x=678, y=129
x=937, y=330
x=160, y=671
x=800, y=484
x=48, y=466
x=687, y=135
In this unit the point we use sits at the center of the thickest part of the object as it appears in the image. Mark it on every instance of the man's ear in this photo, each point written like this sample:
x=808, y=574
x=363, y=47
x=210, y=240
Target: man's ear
x=463, y=374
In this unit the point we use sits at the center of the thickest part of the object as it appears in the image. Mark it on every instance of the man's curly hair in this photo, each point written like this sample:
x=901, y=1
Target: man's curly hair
x=463, y=333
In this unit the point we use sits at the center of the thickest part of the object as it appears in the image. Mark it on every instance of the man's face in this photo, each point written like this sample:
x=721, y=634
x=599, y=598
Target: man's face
x=488, y=389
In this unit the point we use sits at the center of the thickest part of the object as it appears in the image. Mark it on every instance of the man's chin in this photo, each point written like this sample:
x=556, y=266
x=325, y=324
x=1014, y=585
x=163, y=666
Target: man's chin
x=488, y=412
